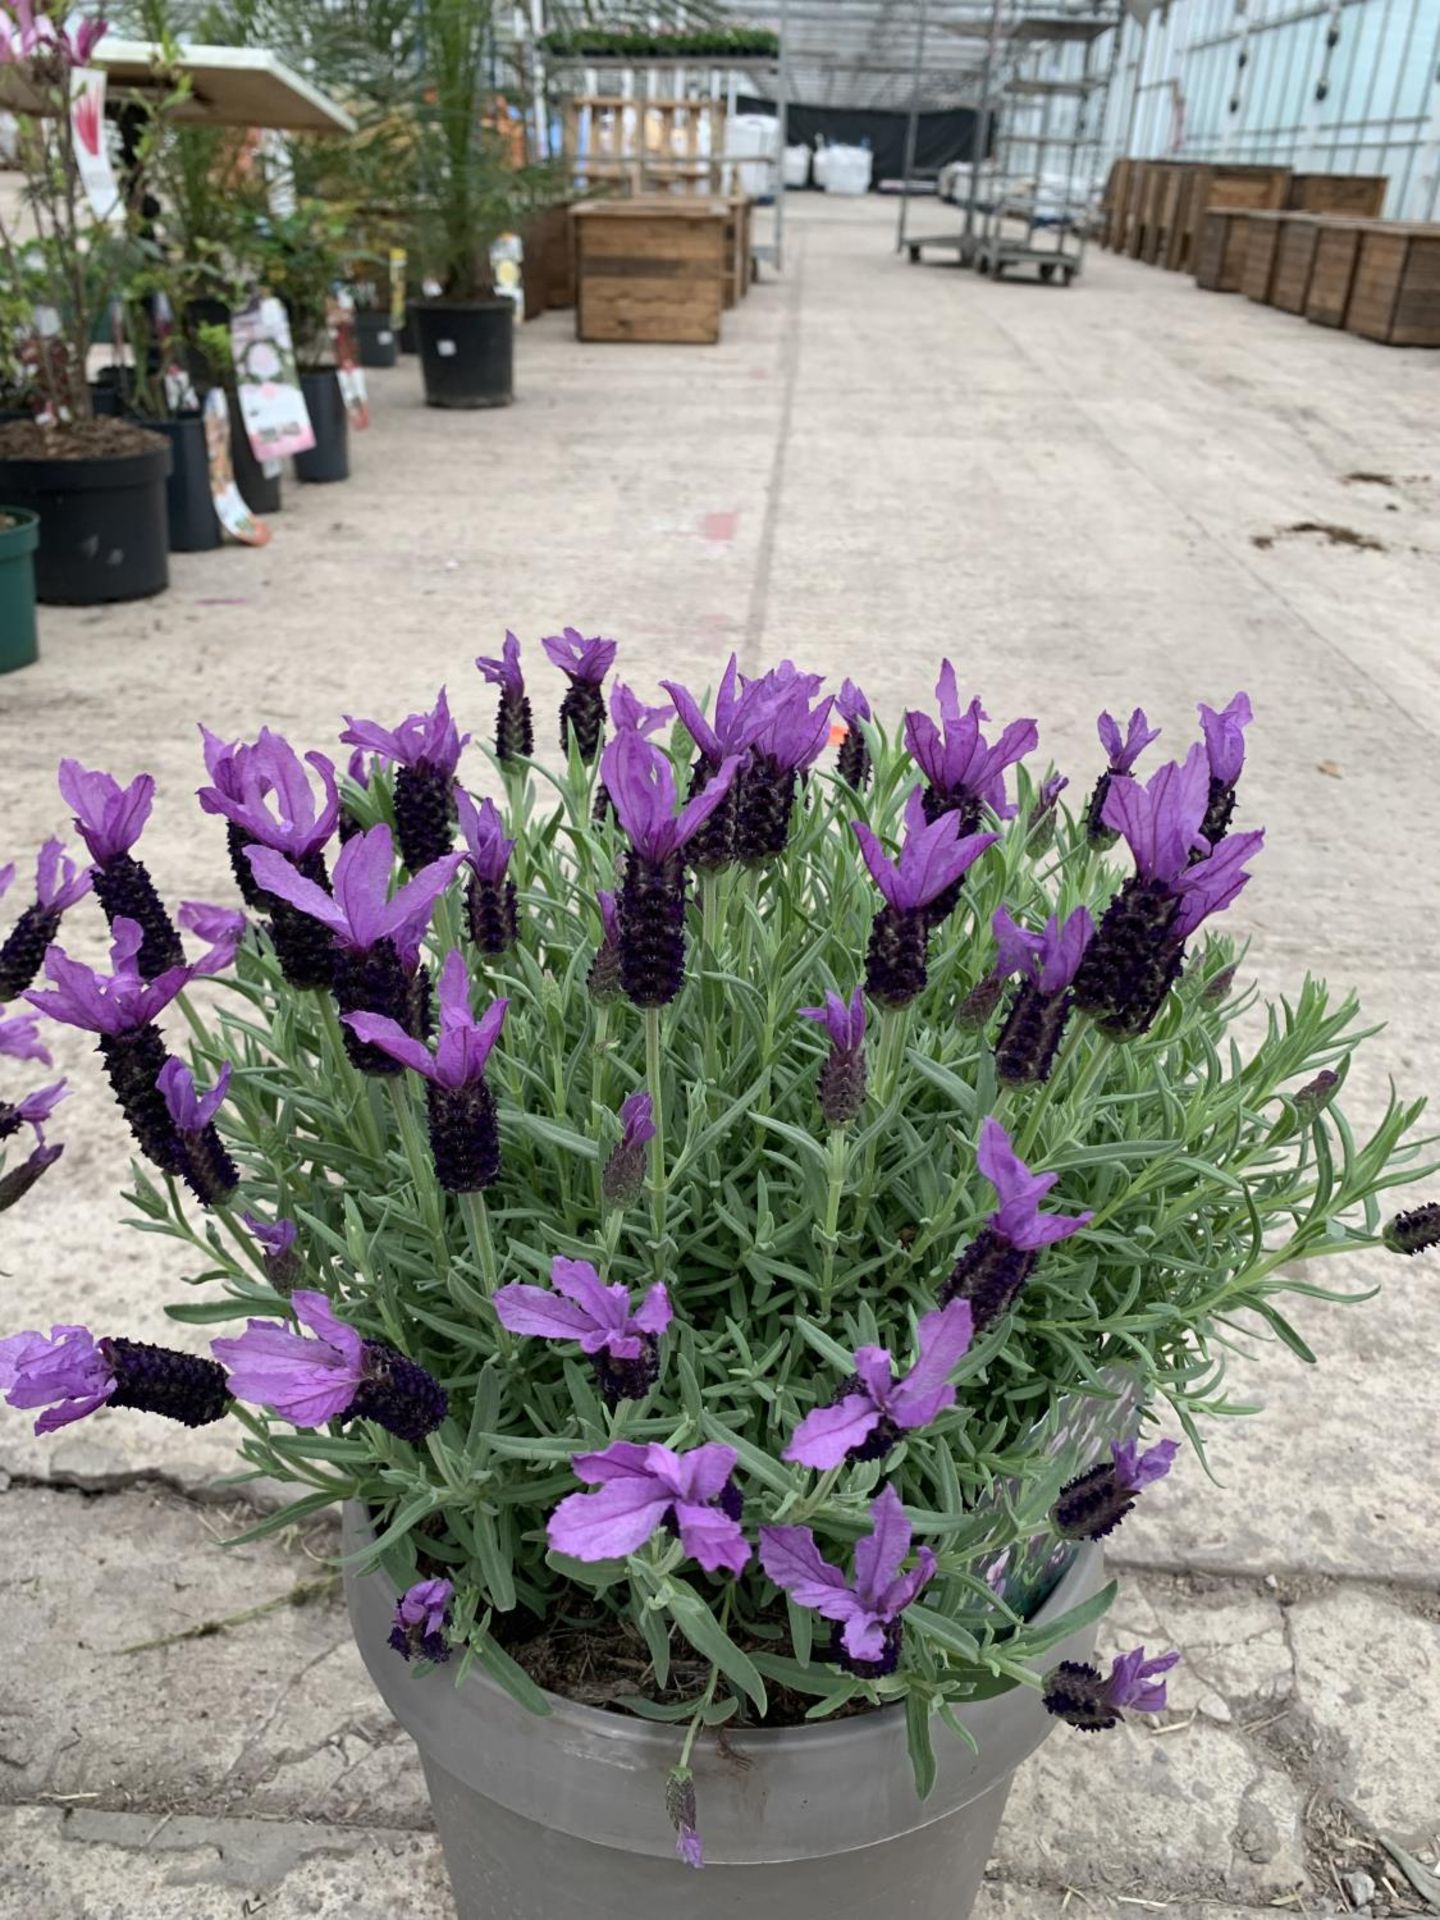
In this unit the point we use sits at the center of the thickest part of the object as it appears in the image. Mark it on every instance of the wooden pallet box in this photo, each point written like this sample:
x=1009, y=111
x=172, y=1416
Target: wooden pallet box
x=1112, y=204
x=1295, y=261
x=1360, y=195
x=652, y=270
x=737, y=248
x=1139, y=207
x=1396, y=294
x=1177, y=237
x=1220, y=250
x=1332, y=274
x=1216, y=187
x=1262, y=237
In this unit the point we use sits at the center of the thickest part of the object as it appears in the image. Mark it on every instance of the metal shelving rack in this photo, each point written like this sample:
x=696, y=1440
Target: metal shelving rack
x=1041, y=91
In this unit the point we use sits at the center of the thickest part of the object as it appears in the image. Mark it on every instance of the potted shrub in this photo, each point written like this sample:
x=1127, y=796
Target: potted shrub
x=299, y=257
x=727, y=1254
x=96, y=484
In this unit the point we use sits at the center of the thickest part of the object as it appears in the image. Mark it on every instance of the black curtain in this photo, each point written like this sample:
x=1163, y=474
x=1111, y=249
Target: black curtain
x=939, y=137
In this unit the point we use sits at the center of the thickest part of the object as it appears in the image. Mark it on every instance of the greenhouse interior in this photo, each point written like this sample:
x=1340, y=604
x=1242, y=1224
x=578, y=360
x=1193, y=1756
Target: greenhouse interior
x=749, y=1222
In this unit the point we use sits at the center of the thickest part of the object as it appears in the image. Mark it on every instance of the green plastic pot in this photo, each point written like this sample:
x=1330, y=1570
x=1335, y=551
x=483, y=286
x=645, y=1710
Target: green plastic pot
x=18, y=644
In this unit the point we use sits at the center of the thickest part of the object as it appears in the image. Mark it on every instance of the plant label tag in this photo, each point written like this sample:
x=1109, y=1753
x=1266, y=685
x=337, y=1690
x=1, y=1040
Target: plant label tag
x=87, y=140
x=230, y=509
x=271, y=403
x=445, y=349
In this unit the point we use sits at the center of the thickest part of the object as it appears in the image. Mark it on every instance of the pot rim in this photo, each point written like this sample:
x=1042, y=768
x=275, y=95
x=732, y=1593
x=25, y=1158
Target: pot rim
x=95, y=473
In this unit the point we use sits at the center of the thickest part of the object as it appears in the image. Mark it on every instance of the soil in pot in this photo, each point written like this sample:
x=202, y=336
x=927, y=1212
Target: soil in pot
x=375, y=337
x=467, y=352
x=259, y=490
x=98, y=490
x=190, y=508
x=329, y=458
x=19, y=536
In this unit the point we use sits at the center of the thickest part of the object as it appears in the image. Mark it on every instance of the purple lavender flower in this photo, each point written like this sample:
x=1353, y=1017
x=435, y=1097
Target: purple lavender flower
x=641, y=1488
x=1000, y=1259
x=425, y=749
x=1139, y=950
x=209, y=1171
x=1014, y=948
x=627, y=709
x=16, y=1182
x=464, y=1131
x=867, y=1612
x=1040, y=825
x=32, y=1110
x=121, y=1008
x=20, y=1038
x=623, y=1342
x=336, y=1376
x=110, y=819
x=276, y=1240
x=680, y=1805
x=1225, y=752
x=1121, y=753
x=873, y=1408
x=377, y=934
x=490, y=897
x=602, y=982
x=852, y=763
x=641, y=784
x=843, y=1077
x=1030, y=1038
x=624, y=1172
x=933, y=858
x=361, y=771
x=421, y=1616
x=1414, y=1231
x=1095, y=1502
x=58, y=885
x=965, y=773
x=790, y=738
x=741, y=709
x=514, y=727
x=1078, y=1693
x=70, y=1374
x=585, y=664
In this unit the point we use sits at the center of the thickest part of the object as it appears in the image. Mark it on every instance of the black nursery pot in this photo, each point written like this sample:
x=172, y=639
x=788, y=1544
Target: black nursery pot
x=467, y=352
x=189, y=506
x=329, y=458
x=259, y=491
x=375, y=337
x=408, y=341
x=103, y=527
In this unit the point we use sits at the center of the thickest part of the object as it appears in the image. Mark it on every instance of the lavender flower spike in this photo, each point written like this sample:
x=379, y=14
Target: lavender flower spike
x=602, y=982
x=791, y=738
x=16, y=1182
x=514, y=727
x=1078, y=1693
x=585, y=664
x=209, y=1171
x=1121, y=753
x=843, y=1077
x=1414, y=1231
x=464, y=1131
x=110, y=819
x=336, y=1376
x=640, y=1488
x=1225, y=752
x=627, y=709
x=680, y=1805
x=998, y=1262
x=1094, y=1503
x=20, y=1038
x=873, y=1408
x=32, y=1110
x=490, y=898
x=276, y=1240
x=641, y=784
x=421, y=1616
x=933, y=858
x=377, y=934
x=1014, y=948
x=70, y=1374
x=738, y=714
x=1030, y=1038
x=1040, y=826
x=867, y=1612
x=425, y=749
x=624, y=1172
x=623, y=1343
x=852, y=763
x=965, y=773
x=58, y=885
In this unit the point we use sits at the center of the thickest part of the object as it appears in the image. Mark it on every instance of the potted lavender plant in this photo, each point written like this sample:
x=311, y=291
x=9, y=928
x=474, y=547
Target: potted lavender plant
x=726, y=1255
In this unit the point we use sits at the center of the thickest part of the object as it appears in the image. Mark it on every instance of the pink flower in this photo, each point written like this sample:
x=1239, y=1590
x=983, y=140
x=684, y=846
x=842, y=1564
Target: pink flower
x=645, y=1487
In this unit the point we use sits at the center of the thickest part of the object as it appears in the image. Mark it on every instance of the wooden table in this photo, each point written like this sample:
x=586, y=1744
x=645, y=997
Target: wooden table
x=653, y=268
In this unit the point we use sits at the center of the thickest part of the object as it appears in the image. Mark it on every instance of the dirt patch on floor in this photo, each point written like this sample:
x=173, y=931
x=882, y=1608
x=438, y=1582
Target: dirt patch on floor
x=1326, y=530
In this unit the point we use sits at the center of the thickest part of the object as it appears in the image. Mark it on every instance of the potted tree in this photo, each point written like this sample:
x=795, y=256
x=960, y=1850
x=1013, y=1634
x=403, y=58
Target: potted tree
x=727, y=1255
x=95, y=484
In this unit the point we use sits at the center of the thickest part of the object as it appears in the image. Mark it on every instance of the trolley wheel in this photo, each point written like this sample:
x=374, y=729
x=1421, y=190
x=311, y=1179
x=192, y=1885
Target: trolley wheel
x=982, y=263
x=999, y=270
x=1069, y=275
x=914, y=253
x=1047, y=270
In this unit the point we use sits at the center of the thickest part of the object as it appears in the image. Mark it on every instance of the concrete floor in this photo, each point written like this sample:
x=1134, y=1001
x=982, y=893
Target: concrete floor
x=1083, y=497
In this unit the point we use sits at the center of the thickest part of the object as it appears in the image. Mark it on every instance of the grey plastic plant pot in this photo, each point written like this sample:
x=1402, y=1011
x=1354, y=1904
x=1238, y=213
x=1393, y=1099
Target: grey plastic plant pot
x=563, y=1817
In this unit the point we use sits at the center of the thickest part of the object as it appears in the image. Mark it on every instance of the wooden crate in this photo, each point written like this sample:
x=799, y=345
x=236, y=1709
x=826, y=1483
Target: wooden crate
x=1262, y=237
x=1175, y=254
x=1112, y=205
x=1332, y=275
x=1148, y=212
x=1295, y=261
x=1396, y=295
x=1360, y=195
x=1220, y=249
x=652, y=269
x=1161, y=212
x=1215, y=187
x=737, y=248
